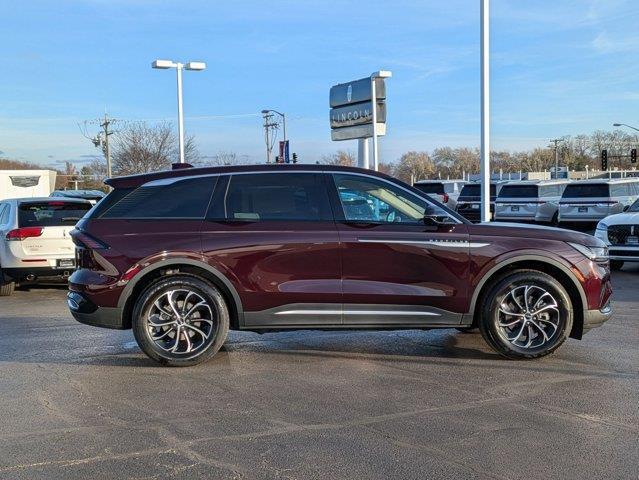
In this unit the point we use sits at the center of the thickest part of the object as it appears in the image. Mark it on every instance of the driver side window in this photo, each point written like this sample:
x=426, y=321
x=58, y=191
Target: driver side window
x=366, y=199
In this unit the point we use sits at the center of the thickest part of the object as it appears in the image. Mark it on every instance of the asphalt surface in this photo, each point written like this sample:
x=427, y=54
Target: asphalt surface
x=82, y=402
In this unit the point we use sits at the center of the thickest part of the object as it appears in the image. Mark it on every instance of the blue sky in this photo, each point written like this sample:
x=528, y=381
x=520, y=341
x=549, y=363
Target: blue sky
x=558, y=68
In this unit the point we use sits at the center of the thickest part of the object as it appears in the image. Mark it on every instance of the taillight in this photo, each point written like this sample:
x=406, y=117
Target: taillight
x=82, y=239
x=24, y=232
x=445, y=198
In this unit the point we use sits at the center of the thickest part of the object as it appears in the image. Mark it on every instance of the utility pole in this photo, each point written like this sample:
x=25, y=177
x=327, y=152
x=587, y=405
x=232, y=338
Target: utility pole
x=556, y=141
x=269, y=133
x=107, y=152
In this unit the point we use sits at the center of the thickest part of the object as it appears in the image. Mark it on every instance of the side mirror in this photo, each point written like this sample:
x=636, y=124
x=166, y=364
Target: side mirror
x=625, y=209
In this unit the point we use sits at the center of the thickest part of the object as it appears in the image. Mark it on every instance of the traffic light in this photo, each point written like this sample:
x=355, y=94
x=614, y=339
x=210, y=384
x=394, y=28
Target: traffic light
x=633, y=155
x=604, y=160
x=295, y=156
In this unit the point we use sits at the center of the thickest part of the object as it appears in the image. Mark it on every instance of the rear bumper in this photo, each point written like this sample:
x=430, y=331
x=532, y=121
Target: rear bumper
x=84, y=311
x=596, y=318
x=36, y=274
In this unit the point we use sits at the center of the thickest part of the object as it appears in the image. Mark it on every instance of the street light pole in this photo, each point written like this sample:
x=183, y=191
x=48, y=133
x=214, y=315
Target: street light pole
x=556, y=142
x=485, y=110
x=178, y=69
x=165, y=64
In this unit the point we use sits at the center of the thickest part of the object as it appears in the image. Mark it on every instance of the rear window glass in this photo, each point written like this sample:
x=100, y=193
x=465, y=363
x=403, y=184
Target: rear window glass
x=518, y=191
x=586, y=190
x=475, y=191
x=437, y=188
x=183, y=199
x=51, y=214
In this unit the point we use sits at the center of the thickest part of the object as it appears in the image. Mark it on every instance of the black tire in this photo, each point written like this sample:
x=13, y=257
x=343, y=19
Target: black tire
x=616, y=264
x=6, y=289
x=152, y=300
x=500, y=336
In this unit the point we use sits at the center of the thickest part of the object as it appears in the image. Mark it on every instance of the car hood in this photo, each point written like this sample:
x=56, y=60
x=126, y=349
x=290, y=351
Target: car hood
x=622, y=219
x=503, y=229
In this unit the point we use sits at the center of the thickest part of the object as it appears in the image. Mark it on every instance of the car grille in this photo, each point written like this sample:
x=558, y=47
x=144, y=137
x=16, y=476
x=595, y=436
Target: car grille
x=617, y=234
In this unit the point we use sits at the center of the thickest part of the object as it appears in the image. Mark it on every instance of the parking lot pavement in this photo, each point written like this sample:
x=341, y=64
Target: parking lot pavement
x=81, y=402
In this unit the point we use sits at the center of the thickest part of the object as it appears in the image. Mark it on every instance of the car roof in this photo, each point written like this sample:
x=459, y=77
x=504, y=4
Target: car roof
x=596, y=181
x=75, y=193
x=538, y=182
x=46, y=199
x=422, y=182
x=133, y=181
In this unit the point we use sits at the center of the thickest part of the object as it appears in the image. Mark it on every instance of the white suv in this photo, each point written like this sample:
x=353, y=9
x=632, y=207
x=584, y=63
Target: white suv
x=621, y=233
x=34, y=240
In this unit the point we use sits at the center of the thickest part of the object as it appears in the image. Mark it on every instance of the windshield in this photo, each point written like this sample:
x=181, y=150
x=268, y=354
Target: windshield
x=634, y=208
x=589, y=190
x=51, y=214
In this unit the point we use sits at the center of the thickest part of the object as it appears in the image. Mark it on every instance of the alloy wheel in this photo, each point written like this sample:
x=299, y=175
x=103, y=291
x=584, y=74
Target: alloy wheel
x=181, y=322
x=528, y=317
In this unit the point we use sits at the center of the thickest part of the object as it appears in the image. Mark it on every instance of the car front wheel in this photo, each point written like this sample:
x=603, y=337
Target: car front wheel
x=527, y=314
x=180, y=320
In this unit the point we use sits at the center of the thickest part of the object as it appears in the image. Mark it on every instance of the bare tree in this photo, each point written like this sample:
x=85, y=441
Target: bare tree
x=223, y=158
x=344, y=158
x=413, y=166
x=141, y=148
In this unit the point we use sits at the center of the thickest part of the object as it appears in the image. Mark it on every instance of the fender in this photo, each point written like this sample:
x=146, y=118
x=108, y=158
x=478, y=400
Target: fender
x=526, y=257
x=176, y=261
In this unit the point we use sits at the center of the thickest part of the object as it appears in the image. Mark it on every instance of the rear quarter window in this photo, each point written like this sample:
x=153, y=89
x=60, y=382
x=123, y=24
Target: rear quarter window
x=55, y=213
x=183, y=198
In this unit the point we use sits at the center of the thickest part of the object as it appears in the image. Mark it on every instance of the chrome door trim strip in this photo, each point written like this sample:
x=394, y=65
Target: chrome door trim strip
x=431, y=243
x=356, y=312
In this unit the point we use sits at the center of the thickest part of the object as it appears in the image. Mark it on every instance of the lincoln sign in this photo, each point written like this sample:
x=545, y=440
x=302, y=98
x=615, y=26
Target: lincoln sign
x=351, y=111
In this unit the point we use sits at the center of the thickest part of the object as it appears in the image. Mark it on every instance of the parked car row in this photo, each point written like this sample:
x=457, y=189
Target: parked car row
x=552, y=202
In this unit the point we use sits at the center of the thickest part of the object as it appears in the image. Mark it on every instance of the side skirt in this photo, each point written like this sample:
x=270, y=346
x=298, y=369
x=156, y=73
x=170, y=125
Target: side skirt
x=304, y=315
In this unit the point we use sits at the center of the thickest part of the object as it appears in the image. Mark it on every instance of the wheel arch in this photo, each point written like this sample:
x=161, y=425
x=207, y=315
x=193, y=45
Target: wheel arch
x=176, y=266
x=543, y=264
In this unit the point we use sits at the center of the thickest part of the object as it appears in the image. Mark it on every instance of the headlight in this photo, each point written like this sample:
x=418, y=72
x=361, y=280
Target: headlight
x=596, y=254
x=602, y=226
x=602, y=232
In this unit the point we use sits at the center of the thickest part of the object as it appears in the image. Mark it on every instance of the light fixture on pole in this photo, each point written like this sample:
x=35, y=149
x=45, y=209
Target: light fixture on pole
x=485, y=110
x=375, y=75
x=165, y=64
x=624, y=125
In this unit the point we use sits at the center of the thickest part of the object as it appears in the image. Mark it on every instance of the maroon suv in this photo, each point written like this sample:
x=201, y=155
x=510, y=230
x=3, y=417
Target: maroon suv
x=183, y=256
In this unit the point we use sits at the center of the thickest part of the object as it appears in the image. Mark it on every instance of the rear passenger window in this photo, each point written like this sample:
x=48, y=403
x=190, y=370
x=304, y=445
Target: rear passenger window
x=170, y=198
x=277, y=196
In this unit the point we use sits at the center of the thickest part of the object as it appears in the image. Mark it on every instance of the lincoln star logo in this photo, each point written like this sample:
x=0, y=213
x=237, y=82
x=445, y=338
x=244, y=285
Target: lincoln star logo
x=349, y=93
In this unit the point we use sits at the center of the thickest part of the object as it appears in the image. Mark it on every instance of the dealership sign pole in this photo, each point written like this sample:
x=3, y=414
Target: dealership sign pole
x=358, y=112
x=485, y=111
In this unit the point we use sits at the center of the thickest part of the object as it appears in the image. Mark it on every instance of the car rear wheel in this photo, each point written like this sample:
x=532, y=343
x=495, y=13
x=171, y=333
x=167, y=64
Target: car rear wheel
x=616, y=264
x=180, y=320
x=527, y=314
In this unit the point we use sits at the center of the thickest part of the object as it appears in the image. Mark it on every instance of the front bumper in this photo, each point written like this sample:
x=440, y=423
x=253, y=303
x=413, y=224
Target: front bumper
x=596, y=318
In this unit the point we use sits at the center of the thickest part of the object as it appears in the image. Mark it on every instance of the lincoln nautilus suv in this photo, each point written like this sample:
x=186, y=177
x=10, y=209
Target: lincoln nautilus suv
x=182, y=256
